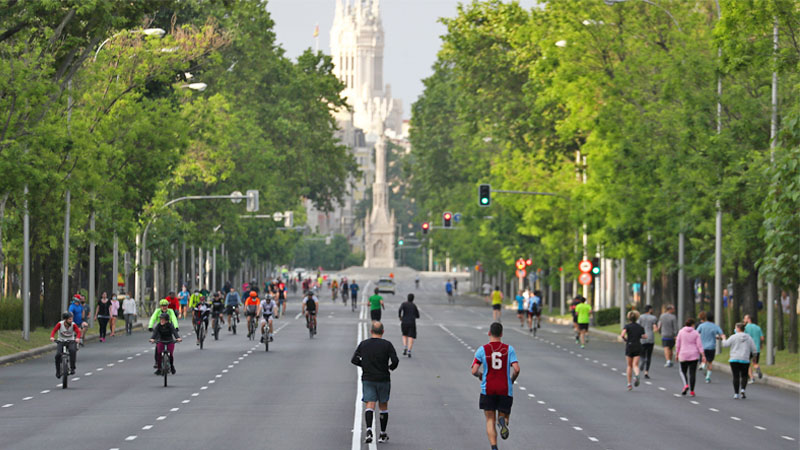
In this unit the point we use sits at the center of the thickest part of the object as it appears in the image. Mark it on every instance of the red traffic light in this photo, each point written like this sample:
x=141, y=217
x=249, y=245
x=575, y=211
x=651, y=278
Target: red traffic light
x=447, y=216
x=425, y=225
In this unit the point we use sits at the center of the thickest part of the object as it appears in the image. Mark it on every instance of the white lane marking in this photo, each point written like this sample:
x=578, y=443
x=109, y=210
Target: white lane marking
x=138, y=354
x=211, y=381
x=99, y=369
x=593, y=439
x=662, y=388
x=224, y=370
x=218, y=375
x=110, y=364
x=677, y=395
x=356, y=442
x=648, y=383
x=713, y=409
x=45, y=391
x=204, y=388
x=551, y=409
x=236, y=362
x=298, y=315
x=186, y=401
x=76, y=378
x=26, y=399
x=614, y=369
x=694, y=402
x=161, y=417
x=540, y=402
x=531, y=396
x=788, y=438
x=195, y=394
x=230, y=366
x=8, y=405
x=577, y=428
x=87, y=374
x=130, y=357
x=564, y=419
x=174, y=409
x=58, y=385
x=522, y=388
x=605, y=365
x=121, y=360
x=735, y=418
x=130, y=438
x=758, y=427
x=147, y=427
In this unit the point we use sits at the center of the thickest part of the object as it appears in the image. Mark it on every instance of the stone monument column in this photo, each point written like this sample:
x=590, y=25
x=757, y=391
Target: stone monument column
x=379, y=224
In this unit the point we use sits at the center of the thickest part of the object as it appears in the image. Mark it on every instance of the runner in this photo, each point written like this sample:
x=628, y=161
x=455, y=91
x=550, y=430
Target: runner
x=496, y=365
x=448, y=289
x=408, y=314
x=758, y=337
x=376, y=357
x=354, y=292
x=375, y=306
x=521, y=313
x=742, y=346
x=709, y=334
x=575, y=302
x=184, y=300
x=282, y=300
x=648, y=322
x=689, y=349
x=668, y=326
x=583, y=311
x=632, y=334
x=535, y=311
x=497, y=304
x=76, y=308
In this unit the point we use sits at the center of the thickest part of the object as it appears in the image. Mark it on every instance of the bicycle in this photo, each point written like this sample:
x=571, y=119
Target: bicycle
x=217, y=316
x=65, y=362
x=311, y=324
x=200, y=331
x=166, y=367
x=335, y=294
x=265, y=337
x=251, y=328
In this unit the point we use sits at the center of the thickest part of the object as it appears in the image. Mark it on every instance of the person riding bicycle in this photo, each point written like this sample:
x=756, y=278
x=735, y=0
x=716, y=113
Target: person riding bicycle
x=163, y=307
x=266, y=308
x=217, y=307
x=166, y=334
x=250, y=309
x=231, y=305
x=335, y=289
x=200, y=316
x=195, y=299
x=310, y=308
x=68, y=335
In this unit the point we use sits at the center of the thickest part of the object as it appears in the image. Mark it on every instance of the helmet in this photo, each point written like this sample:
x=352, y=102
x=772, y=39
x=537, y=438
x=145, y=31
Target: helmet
x=66, y=315
x=76, y=298
x=164, y=302
x=164, y=316
x=253, y=294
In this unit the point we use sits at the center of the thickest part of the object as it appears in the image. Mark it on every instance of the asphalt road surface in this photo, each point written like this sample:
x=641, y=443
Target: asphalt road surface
x=303, y=393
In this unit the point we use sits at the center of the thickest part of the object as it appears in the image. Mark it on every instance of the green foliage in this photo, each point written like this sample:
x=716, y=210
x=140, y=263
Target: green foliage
x=608, y=316
x=315, y=252
x=10, y=314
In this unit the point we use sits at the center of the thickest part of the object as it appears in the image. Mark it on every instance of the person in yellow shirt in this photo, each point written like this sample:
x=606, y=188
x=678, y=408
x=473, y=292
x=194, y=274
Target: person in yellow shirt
x=584, y=311
x=497, y=304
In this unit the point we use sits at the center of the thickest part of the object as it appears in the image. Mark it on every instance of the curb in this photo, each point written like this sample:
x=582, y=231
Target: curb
x=780, y=383
x=16, y=357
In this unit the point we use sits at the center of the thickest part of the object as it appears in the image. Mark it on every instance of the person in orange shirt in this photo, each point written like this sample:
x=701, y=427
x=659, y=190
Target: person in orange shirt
x=250, y=308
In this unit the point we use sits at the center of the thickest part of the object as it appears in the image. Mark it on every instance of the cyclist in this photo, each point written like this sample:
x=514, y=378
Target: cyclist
x=163, y=307
x=195, y=299
x=76, y=308
x=535, y=311
x=416, y=281
x=354, y=292
x=232, y=305
x=165, y=332
x=217, y=307
x=200, y=317
x=310, y=309
x=266, y=309
x=335, y=290
x=250, y=308
x=68, y=334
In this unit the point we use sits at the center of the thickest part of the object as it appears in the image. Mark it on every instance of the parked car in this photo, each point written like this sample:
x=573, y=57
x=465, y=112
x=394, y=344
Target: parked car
x=385, y=284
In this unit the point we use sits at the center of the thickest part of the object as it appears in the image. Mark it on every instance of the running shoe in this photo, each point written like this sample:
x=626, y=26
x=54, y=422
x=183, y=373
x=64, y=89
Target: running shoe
x=405, y=351
x=630, y=388
x=685, y=390
x=742, y=394
x=368, y=438
x=503, y=427
x=736, y=396
x=636, y=381
x=383, y=438
x=583, y=346
x=703, y=366
x=646, y=375
x=760, y=375
x=667, y=364
x=691, y=394
x=409, y=354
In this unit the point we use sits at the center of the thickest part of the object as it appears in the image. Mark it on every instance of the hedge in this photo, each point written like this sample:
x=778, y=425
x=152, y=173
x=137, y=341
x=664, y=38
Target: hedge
x=11, y=314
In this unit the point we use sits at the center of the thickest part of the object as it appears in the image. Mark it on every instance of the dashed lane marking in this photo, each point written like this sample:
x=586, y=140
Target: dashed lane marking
x=735, y=418
x=713, y=409
x=161, y=417
x=593, y=439
x=174, y=409
x=577, y=428
x=788, y=438
x=45, y=391
x=147, y=427
x=130, y=438
x=8, y=405
x=759, y=427
x=26, y=399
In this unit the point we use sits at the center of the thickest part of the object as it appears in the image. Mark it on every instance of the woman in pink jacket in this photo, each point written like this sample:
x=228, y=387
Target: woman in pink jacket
x=689, y=348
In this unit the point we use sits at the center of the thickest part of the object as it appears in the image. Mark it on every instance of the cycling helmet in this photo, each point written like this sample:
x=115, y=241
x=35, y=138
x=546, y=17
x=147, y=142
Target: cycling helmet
x=164, y=316
x=66, y=315
x=253, y=294
x=163, y=303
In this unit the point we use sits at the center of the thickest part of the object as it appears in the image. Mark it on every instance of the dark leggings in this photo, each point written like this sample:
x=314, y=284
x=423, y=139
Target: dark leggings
x=739, y=371
x=647, y=357
x=103, y=321
x=690, y=366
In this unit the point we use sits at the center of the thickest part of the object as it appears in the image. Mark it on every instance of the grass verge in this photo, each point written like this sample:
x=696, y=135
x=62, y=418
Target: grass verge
x=11, y=340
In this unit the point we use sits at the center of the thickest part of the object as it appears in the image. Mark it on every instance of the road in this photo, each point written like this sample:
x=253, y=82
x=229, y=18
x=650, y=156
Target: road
x=302, y=394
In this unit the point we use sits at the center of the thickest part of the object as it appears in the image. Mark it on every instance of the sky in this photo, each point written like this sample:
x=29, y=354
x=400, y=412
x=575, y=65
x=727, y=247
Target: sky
x=411, y=30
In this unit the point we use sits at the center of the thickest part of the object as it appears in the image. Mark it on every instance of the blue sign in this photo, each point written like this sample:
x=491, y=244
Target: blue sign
x=457, y=217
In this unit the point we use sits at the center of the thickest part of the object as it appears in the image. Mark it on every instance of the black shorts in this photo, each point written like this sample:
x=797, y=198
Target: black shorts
x=583, y=326
x=710, y=355
x=312, y=312
x=633, y=350
x=497, y=307
x=375, y=314
x=668, y=342
x=574, y=318
x=409, y=330
x=249, y=313
x=229, y=310
x=754, y=357
x=500, y=403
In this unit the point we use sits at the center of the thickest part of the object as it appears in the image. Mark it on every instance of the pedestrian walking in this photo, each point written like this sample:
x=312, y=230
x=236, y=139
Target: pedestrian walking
x=709, y=334
x=184, y=299
x=129, y=308
x=689, y=350
x=757, y=335
x=408, y=314
x=114, y=313
x=103, y=314
x=668, y=327
x=496, y=365
x=497, y=304
x=448, y=289
x=375, y=306
x=648, y=322
x=583, y=311
x=376, y=357
x=742, y=346
x=632, y=334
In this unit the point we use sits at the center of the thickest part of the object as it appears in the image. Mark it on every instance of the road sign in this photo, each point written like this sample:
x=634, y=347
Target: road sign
x=277, y=217
x=585, y=266
x=585, y=279
x=237, y=194
x=520, y=273
x=520, y=264
x=457, y=217
x=528, y=262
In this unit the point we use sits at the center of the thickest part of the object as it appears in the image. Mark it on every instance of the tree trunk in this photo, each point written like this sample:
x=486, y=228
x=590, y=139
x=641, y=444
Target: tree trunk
x=792, y=322
x=51, y=275
x=3, y=272
x=750, y=291
x=781, y=339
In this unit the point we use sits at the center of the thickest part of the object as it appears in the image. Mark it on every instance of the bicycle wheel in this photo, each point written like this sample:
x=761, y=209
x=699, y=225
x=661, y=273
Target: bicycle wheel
x=202, y=335
x=64, y=370
x=165, y=367
x=216, y=329
x=234, y=321
x=266, y=340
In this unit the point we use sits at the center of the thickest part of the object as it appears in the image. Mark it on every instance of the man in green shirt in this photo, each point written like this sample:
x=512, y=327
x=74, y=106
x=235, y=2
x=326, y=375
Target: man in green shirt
x=584, y=312
x=758, y=337
x=375, y=306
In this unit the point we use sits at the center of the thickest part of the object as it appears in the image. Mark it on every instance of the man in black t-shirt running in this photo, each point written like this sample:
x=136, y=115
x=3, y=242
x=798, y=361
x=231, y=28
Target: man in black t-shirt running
x=408, y=314
x=376, y=357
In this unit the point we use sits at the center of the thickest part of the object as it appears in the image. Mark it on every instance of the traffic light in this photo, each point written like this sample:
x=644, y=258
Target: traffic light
x=252, y=200
x=595, y=266
x=484, y=195
x=400, y=242
x=425, y=227
x=447, y=219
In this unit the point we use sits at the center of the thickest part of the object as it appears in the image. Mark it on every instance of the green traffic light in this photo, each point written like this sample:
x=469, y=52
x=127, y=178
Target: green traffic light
x=400, y=242
x=595, y=270
x=484, y=201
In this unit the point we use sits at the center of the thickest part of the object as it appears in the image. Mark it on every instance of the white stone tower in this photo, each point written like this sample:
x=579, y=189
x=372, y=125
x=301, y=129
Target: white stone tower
x=379, y=223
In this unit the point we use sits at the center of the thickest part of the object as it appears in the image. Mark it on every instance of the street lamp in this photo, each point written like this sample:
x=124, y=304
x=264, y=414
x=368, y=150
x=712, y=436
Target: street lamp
x=199, y=87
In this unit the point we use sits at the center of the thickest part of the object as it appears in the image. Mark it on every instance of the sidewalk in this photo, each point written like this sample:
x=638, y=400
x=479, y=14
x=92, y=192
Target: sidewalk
x=777, y=382
x=34, y=352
